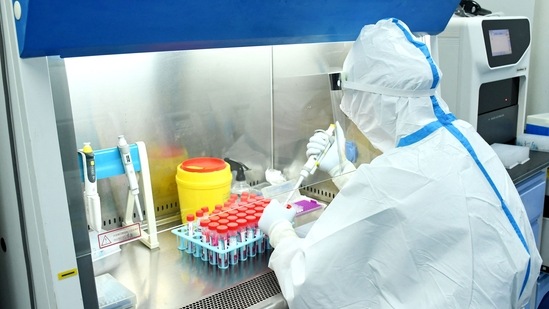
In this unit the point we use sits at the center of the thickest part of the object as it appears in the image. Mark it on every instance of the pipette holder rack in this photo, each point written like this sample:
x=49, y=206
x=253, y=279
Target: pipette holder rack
x=109, y=164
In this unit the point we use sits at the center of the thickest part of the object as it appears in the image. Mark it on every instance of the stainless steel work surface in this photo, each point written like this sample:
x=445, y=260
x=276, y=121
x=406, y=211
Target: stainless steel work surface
x=170, y=278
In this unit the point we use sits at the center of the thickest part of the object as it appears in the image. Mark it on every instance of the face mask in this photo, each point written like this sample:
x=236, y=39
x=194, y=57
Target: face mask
x=374, y=117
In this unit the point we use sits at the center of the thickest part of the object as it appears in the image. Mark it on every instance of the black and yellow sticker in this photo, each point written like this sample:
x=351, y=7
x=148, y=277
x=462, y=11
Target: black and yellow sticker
x=67, y=274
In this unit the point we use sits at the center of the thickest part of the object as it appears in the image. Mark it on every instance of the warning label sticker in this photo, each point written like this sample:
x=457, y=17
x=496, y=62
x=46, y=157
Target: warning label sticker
x=119, y=236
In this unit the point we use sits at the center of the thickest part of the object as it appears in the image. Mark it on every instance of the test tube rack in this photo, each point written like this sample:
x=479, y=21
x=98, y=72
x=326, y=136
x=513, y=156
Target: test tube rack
x=109, y=164
x=184, y=240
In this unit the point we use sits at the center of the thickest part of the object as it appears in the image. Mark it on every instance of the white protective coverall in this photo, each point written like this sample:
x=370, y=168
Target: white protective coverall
x=433, y=222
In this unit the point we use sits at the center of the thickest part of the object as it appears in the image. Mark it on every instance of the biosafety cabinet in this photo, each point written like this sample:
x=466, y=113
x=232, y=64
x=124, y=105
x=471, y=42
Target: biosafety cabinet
x=215, y=75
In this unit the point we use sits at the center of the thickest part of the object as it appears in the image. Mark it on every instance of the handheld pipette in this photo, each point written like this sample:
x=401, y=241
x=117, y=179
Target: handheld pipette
x=312, y=163
x=124, y=150
x=92, y=201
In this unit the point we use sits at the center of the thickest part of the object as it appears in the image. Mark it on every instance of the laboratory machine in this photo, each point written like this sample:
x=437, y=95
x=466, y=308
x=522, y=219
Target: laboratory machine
x=485, y=63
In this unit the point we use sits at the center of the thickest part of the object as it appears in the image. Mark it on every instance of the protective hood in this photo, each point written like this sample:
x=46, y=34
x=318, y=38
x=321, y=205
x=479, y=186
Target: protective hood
x=388, y=77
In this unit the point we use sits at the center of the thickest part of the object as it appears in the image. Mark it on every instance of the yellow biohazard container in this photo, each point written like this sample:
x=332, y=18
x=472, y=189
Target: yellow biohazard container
x=202, y=181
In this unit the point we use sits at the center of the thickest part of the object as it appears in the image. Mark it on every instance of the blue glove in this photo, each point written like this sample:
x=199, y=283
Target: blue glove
x=274, y=214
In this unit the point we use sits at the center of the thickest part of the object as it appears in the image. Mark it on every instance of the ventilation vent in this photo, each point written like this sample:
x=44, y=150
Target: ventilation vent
x=321, y=193
x=241, y=296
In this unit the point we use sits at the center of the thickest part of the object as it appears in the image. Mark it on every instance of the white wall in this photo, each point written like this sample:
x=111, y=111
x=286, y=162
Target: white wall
x=510, y=7
x=538, y=87
x=538, y=13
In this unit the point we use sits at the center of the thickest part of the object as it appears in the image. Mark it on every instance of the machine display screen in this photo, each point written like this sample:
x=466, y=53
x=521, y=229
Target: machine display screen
x=500, y=42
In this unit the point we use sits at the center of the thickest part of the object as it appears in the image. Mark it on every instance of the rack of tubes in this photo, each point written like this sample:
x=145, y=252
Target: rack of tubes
x=227, y=235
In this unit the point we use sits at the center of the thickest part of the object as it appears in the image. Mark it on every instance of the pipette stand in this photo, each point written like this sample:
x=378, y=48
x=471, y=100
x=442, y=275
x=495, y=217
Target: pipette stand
x=109, y=164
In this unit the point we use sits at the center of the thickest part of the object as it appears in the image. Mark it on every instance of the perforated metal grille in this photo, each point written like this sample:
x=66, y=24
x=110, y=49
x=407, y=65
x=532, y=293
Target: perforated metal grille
x=241, y=296
x=324, y=192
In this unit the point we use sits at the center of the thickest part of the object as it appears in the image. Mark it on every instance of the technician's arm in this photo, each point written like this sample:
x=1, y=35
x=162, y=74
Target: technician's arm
x=335, y=162
x=283, y=230
x=276, y=222
x=346, y=172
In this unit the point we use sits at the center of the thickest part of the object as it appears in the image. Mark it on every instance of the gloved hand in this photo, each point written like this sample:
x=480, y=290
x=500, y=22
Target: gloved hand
x=274, y=214
x=335, y=161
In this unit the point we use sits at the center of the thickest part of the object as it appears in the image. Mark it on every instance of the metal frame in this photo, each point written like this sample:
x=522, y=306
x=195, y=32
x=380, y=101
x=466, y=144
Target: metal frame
x=45, y=222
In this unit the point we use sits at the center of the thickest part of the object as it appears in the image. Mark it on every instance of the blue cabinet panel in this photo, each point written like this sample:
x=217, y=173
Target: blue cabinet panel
x=542, y=289
x=532, y=193
x=81, y=28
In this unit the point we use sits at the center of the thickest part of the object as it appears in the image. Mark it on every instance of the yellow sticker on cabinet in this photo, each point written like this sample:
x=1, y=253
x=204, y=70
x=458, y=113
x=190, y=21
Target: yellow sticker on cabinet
x=67, y=274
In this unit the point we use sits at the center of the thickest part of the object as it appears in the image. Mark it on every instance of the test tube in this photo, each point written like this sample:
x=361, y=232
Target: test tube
x=241, y=206
x=206, y=210
x=250, y=235
x=205, y=238
x=233, y=197
x=223, y=221
x=233, y=254
x=199, y=216
x=222, y=242
x=197, y=234
x=241, y=215
x=259, y=235
x=213, y=240
x=190, y=232
x=241, y=239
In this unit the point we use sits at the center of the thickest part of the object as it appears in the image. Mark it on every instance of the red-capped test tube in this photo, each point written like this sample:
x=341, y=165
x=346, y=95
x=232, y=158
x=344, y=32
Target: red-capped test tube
x=197, y=247
x=199, y=216
x=250, y=235
x=241, y=239
x=222, y=242
x=232, y=218
x=233, y=243
x=213, y=240
x=205, y=238
x=259, y=235
x=189, y=248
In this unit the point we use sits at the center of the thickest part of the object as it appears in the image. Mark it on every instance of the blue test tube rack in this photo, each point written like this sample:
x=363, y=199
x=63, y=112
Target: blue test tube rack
x=183, y=240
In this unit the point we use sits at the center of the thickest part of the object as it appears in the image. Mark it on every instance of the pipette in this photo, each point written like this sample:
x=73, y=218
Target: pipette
x=93, y=203
x=312, y=163
x=124, y=150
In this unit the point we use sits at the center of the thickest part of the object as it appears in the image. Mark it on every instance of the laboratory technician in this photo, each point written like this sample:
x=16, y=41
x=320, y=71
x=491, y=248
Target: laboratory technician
x=433, y=222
